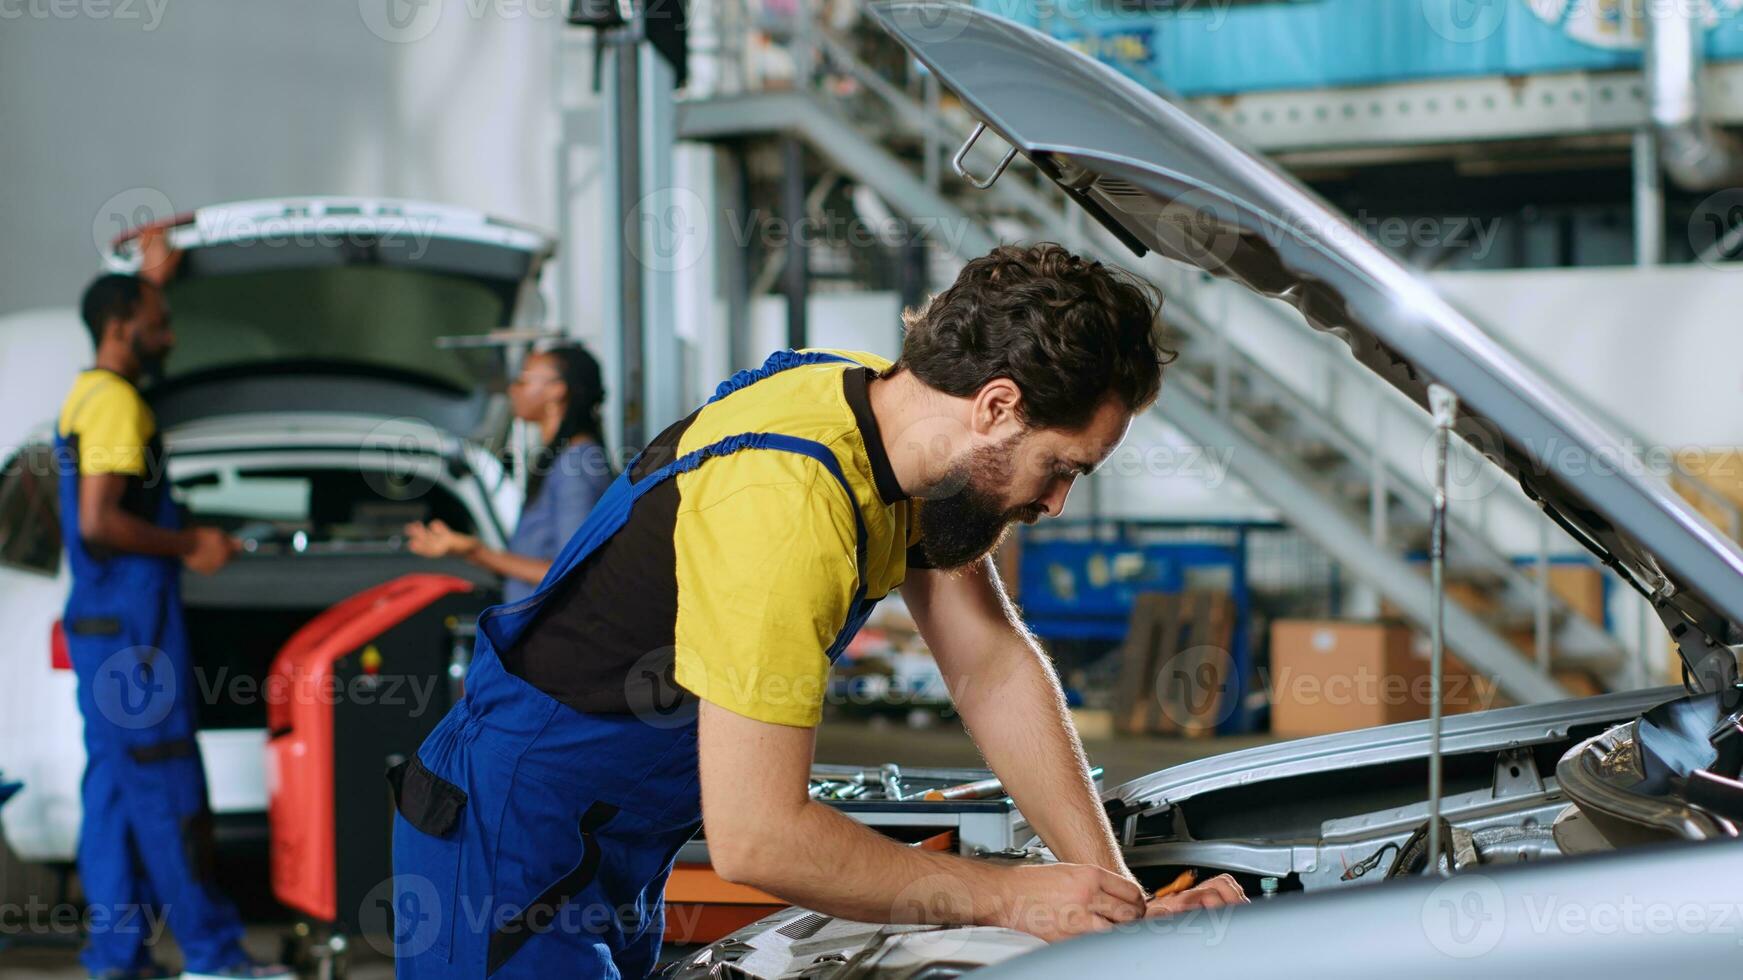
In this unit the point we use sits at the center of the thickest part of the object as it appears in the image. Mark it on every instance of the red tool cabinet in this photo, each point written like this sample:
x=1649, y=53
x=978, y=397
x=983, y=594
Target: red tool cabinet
x=352, y=692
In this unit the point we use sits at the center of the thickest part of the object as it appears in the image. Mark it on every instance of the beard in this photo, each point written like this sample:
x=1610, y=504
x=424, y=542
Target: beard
x=151, y=363
x=963, y=520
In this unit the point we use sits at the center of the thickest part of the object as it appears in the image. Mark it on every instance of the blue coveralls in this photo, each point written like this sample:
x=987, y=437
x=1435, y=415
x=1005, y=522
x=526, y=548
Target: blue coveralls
x=533, y=840
x=146, y=839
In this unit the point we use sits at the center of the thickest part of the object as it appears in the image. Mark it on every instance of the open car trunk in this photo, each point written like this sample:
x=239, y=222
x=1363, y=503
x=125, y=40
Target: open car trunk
x=314, y=534
x=342, y=304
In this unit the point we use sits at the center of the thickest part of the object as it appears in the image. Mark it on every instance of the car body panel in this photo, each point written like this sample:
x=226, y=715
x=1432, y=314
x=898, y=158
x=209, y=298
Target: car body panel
x=320, y=388
x=1493, y=730
x=1665, y=911
x=310, y=286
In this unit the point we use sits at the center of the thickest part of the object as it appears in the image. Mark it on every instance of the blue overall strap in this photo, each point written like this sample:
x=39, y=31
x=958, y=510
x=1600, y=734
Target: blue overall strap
x=781, y=443
x=777, y=362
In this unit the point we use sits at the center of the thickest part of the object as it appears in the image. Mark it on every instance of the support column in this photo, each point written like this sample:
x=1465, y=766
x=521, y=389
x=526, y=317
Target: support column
x=626, y=125
x=735, y=270
x=1648, y=199
x=797, y=277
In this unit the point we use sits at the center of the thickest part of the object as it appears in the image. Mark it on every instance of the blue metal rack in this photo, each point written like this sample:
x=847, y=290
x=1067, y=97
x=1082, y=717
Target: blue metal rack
x=1077, y=582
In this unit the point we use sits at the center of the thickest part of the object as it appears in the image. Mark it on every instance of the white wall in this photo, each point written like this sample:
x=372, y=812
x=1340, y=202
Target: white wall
x=184, y=103
x=1158, y=473
x=869, y=321
x=45, y=349
x=1658, y=349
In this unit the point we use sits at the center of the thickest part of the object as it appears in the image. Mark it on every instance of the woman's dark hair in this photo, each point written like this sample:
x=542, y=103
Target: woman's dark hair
x=1068, y=331
x=581, y=413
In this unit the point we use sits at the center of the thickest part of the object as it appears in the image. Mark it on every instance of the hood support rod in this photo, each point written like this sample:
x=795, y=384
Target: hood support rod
x=1445, y=406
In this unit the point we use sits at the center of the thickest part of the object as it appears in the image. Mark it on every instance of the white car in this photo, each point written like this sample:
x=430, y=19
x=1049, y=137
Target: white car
x=310, y=409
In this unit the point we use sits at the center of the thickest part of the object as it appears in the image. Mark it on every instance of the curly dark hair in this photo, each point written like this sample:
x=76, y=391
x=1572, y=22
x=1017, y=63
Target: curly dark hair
x=1070, y=332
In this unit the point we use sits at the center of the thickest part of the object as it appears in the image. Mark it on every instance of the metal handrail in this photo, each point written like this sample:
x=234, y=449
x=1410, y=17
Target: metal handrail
x=1041, y=212
x=828, y=54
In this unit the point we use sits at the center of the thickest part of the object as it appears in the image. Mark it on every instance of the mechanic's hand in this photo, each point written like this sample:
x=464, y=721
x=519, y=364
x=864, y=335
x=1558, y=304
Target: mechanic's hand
x=212, y=550
x=1058, y=901
x=1215, y=893
x=437, y=540
x=157, y=260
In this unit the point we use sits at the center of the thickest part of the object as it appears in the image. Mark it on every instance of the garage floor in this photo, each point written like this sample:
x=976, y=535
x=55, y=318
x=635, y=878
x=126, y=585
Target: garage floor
x=858, y=742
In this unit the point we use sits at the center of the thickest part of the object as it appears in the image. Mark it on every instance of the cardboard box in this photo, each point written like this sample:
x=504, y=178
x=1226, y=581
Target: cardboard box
x=1720, y=470
x=1579, y=585
x=1332, y=675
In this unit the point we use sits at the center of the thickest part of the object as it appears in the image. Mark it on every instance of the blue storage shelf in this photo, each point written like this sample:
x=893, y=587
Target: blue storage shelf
x=1077, y=582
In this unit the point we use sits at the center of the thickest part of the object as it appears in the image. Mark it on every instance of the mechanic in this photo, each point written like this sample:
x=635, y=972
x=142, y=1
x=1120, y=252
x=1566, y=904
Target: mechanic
x=672, y=667
x=560, y=389
x=147, y=831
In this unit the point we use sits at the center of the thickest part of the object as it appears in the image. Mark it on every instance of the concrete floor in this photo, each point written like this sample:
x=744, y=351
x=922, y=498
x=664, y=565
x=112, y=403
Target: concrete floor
x=861, y=742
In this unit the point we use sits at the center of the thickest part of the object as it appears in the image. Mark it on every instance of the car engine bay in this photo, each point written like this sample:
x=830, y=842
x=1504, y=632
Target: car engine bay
x=1530, y=784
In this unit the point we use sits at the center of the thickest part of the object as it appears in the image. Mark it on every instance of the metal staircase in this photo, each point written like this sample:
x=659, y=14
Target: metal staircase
x=1333, y=448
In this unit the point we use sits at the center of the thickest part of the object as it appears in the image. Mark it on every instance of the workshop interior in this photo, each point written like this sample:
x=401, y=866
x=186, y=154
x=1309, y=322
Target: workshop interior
x=1278, y=459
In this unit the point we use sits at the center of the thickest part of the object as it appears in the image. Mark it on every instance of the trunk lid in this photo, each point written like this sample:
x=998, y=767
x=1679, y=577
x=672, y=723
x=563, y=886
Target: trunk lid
x=274, y=292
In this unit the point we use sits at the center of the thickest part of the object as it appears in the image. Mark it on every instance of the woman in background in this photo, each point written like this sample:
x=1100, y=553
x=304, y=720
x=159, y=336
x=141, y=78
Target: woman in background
x=560, y=390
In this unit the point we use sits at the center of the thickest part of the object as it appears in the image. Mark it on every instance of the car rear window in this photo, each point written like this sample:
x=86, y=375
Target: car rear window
x=375, y=315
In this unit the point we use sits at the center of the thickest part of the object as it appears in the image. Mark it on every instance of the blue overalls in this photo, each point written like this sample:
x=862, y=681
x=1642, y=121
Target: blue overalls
x=146, y=839
x=533, y=840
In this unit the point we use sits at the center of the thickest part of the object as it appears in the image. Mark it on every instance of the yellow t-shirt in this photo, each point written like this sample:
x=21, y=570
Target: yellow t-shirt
x=109, y=423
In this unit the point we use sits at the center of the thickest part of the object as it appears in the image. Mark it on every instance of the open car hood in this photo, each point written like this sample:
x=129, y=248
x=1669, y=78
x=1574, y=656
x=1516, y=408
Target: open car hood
x=273, y=287
x=1161, y=181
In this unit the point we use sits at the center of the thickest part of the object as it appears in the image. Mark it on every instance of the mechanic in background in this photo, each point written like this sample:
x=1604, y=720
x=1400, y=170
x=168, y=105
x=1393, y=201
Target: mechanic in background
x=147, y=832
x=560, y=390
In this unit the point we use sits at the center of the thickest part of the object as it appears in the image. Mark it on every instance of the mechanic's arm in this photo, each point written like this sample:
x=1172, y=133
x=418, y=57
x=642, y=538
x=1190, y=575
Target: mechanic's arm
x=103, y=522
x=763, y=830
x=1012, y=705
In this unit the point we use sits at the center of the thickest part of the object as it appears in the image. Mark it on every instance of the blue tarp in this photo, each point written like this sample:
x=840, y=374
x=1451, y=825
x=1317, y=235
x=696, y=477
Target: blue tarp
x=1203, y=47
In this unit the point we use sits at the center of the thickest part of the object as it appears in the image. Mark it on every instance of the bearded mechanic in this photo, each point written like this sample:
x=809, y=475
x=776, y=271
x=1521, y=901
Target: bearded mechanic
x=727, y=568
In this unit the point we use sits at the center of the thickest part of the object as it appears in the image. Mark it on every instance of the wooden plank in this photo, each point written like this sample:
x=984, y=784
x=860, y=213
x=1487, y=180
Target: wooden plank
x=1210, y=665
x=1163, y=648
x=1174, y=663
x=1134, y=666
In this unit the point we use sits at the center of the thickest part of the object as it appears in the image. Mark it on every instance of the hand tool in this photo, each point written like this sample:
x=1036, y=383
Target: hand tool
x=1186, y=879
x=966, y=791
